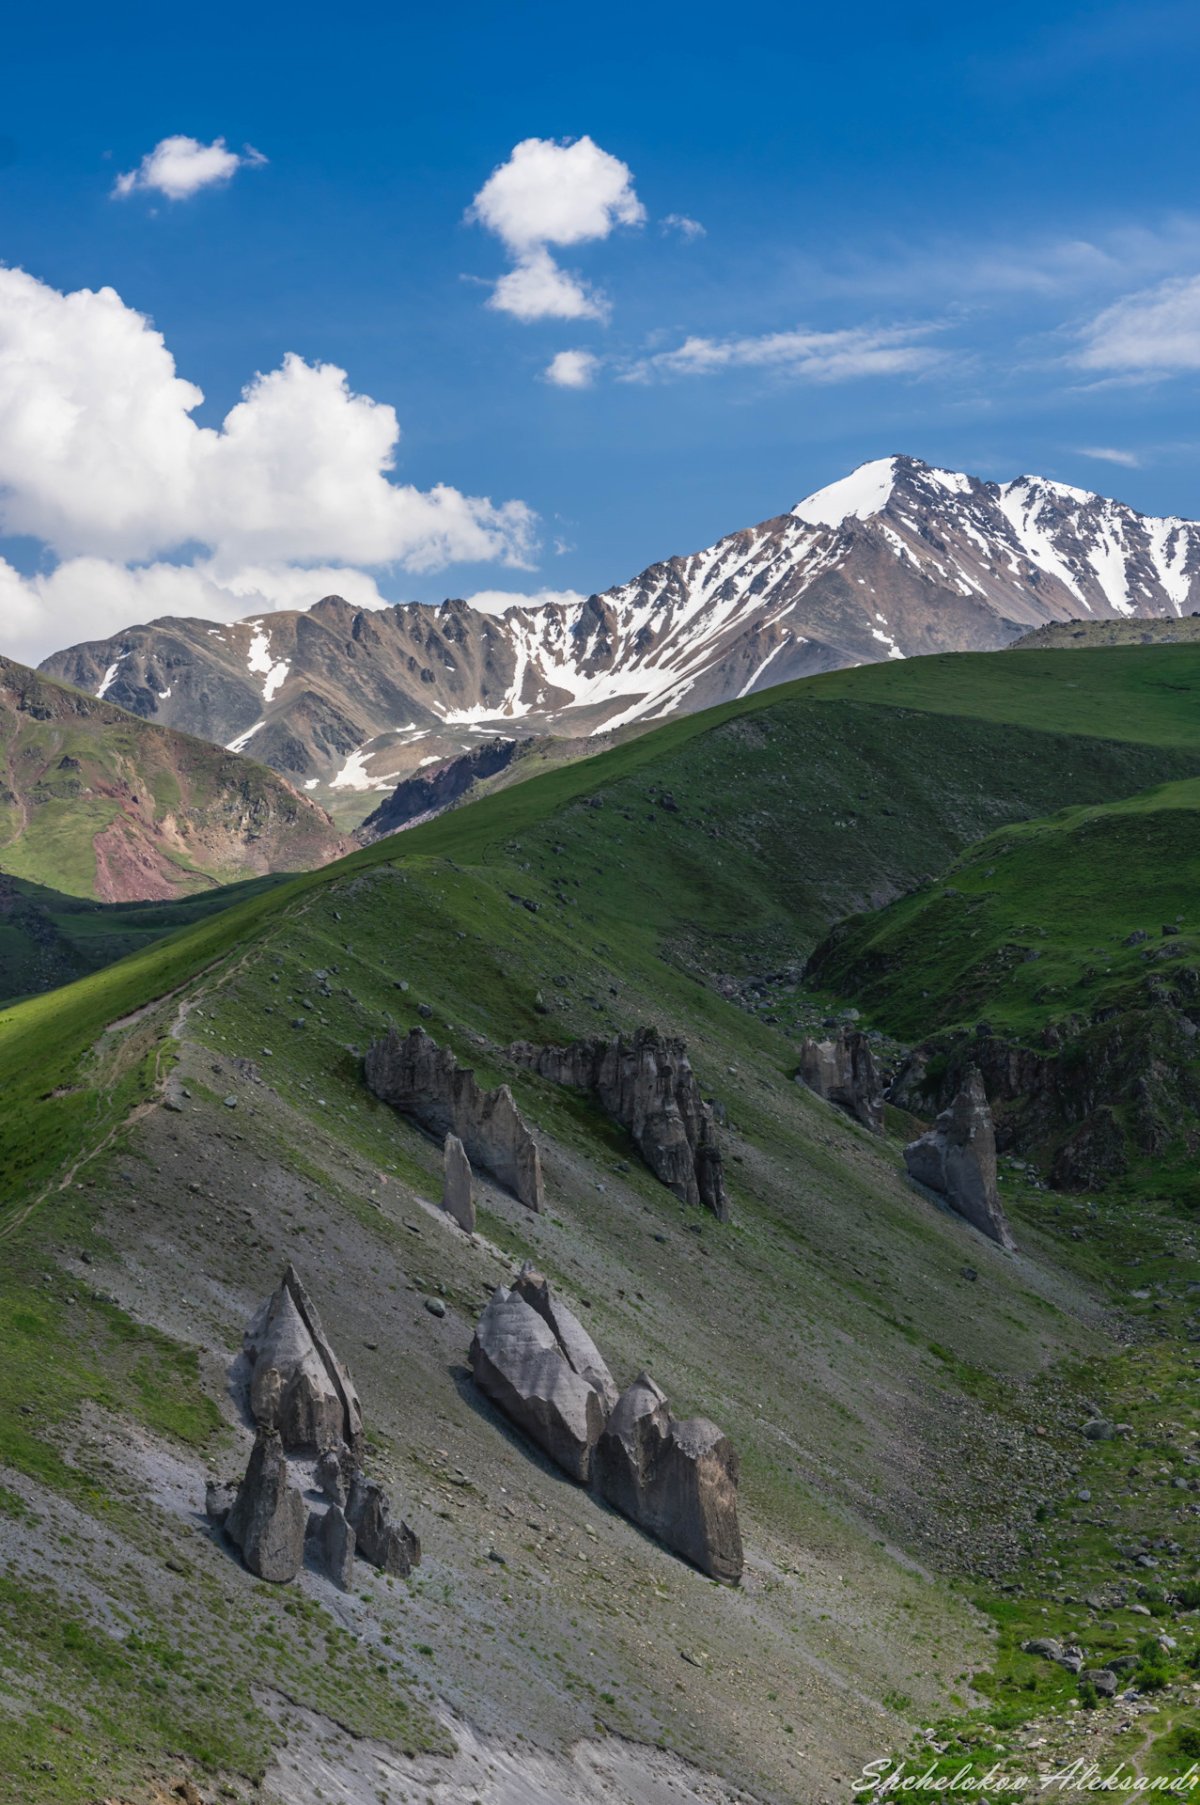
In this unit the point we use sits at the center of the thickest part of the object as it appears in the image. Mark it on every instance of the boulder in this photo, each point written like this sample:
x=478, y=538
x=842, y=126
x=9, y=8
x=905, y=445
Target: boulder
x=578, y=1348
x=677, y=1480
x=333, y=1542
x=393, y=1547
x=333, y=1473
x=843, y=1071
x=957, y=1159
x=424, y=1081
x=269, y=1518
x=457, y=1199
x=647, y=1084
x=220, y=1496
x=520, y=1364
x=297, y=1384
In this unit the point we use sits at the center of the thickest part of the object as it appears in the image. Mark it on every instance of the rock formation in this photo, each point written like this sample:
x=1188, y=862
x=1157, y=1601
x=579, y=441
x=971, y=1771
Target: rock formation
x=457, y=1198
x=675, y=1479
x=520, y=1363
x=297, y=1384
x=393, y=1547
x=269, y=1519
x=957, y=1159
x=423, y=1080
x=647, y=1084
x=579, y=1350
x=333, y=1542
x=843, y=1071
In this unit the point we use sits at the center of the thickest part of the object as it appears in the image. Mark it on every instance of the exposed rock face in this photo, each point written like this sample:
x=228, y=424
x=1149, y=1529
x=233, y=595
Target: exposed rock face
x=220, y=1496
x=457, y=1198
x=580, y=1351
x=334, y=1472
x=843, y=1071
x=438, y=786
x=269, y=1519
x=333, y=1543
x=520, y=1363
x=647, y=1084
x=677, y=1480
x=297, y=1384
x=423, y=1080
x=393, y=1547
x=957, y=1158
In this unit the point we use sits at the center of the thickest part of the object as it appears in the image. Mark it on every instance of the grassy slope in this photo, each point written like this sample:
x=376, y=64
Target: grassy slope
x=172, y=814
x=1033, y=923
x=831, y=1264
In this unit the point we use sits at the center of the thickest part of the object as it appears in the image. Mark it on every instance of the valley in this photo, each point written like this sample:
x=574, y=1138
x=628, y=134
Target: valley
x=907, y=1399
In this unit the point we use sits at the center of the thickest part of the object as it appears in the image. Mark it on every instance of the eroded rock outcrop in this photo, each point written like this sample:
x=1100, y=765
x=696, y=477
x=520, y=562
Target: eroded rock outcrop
x=298, y=1385
x=269, y=1518
x=647, y=1084
x=457, y=1197
x=422, y=1080
x=675, y=1479
x=522, y=1366
x=332, y=1542
x=843, y=1071
x=957, y=1159
x=392, y=1547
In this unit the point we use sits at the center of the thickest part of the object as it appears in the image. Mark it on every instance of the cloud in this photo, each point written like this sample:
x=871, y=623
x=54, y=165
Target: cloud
x=810, y=356
x=94, y=598
x=572, y=369
x=552, y=192
x=180, y=167
x=537, y=289
x=1150, y=333
x=1107, y=454
x=102, y=462
x=686, y=228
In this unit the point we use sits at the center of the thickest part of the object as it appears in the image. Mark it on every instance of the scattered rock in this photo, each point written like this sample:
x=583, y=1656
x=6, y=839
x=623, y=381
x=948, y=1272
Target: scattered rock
x=297, y=1384
x=457, y=1199
x=435, y=1306
x=647, y=1084
x=843, y=1071
x=423, y=1080
x=957, y=1159
x=677, y=1480
x=269, y=1518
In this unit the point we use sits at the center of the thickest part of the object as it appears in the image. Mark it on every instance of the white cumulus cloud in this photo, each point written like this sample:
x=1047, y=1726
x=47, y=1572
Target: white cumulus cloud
x=1150, y=333
x=496, y=601
x=812, y=356
x=180, y=167
x=538, y=289
x=102, y=461
x=553, y=193
x=572, y=369
x=1109, y=454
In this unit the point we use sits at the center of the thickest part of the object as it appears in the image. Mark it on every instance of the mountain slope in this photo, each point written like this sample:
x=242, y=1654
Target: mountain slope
x=97, y=803
x=905, y=1398
x=895, y=561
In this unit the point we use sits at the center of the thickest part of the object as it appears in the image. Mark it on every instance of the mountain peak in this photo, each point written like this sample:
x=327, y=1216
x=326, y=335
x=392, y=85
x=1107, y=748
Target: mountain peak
x=864, y=492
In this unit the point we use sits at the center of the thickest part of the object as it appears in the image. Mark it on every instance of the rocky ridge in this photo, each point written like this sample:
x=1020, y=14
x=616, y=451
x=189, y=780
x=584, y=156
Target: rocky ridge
x=896, y=560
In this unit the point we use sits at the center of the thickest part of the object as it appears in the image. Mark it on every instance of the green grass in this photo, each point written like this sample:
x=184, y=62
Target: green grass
x=1033, y=923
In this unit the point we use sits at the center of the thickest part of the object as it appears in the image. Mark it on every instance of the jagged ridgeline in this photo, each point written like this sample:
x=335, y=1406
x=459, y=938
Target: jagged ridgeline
x=904, y=1395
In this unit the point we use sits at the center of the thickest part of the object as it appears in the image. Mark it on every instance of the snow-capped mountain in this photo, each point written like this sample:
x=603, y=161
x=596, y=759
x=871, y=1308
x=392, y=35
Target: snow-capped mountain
x=895, y=560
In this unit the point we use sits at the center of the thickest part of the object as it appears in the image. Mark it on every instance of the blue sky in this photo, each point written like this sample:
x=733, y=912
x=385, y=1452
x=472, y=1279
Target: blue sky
x=972, y=234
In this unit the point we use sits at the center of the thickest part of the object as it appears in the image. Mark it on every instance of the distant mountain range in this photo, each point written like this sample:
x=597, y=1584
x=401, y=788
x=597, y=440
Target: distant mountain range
x=97, y=804
x=893, y=561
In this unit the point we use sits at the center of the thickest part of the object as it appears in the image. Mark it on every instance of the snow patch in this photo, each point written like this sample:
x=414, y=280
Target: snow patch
x=110, y=676
x=243, y=739
x=863, y=493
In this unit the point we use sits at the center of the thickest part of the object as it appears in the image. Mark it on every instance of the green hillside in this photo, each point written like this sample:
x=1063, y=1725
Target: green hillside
x=905, y=1398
